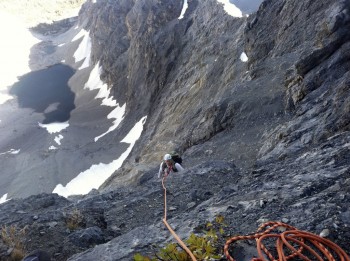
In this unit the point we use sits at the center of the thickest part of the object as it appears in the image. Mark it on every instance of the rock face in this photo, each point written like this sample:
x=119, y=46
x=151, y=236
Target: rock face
x=267, y=139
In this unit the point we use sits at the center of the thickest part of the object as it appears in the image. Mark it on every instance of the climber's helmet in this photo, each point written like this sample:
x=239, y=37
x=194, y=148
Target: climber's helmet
x=167, y=157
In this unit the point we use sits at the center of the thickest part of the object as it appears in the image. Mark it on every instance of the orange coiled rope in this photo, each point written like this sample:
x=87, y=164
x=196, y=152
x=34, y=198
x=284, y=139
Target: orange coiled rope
x=182, y=244
x=304, y=240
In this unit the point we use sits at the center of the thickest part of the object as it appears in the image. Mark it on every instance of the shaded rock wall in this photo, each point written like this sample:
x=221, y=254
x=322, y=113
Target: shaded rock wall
x=317, y=88
x=128, y=49
x=197, y=86
x=210, y=98
x=186, y=75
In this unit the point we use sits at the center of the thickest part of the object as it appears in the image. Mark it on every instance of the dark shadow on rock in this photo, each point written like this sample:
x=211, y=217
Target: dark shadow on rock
x=54, y=28
x=46, y=47
x=40, y=89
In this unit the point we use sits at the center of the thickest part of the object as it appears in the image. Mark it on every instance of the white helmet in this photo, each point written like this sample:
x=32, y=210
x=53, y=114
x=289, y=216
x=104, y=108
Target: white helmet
x=167, y=157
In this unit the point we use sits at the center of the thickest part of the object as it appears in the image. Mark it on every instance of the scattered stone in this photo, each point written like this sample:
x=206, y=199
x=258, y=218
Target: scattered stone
x=52, y=224
x=285, y=220
x=281, y=229
x=9, y=251
x=324, y=233
x=191, y=205
x=261, y=221
x=262, y=203
x=87, y=237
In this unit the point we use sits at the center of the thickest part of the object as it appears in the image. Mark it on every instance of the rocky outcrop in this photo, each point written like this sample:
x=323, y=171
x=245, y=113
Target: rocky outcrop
x=262, y=140
x=314, y=86
x=116, y=224
x=169, y=70
x=63, y=227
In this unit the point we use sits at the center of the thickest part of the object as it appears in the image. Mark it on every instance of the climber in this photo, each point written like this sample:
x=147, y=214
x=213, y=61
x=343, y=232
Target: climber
x=169, y=165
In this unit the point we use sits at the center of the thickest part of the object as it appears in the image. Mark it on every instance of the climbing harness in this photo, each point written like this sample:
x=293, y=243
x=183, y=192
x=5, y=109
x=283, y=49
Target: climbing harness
x=170, y=168
x=304, y=240
x=182, y=244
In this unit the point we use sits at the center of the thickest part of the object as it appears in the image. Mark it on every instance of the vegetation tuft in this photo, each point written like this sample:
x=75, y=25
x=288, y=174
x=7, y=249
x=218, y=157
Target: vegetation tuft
x=75, y=219
x=14, y=237
x=205, y=246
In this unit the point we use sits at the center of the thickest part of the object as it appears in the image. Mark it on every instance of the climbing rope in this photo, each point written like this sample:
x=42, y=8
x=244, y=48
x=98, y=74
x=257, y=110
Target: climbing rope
x=182, y=244
x=304, y=240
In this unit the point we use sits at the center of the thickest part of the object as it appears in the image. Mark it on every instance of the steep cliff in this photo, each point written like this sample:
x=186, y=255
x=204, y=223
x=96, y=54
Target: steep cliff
x=200, y=98
x=263, y=139
x=187, y=77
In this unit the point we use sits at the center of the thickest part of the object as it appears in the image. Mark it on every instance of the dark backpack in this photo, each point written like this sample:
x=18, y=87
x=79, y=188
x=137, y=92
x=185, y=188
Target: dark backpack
x=176, y=157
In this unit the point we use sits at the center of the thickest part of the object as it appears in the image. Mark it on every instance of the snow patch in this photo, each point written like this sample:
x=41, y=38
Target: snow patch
x=94, y=83
x=54, y=127
x=79, y=35
x=118, y=115
x=135, y=132
x=3, y=199
x=244, y=57
x=4, y=97
x=231, y=9
x=97, y=174
x=84, y=49
x=58, y=139
x=11, y=151
x=184, y=8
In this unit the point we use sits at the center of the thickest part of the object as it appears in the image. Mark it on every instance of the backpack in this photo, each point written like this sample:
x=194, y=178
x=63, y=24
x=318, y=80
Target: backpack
x=176, y=157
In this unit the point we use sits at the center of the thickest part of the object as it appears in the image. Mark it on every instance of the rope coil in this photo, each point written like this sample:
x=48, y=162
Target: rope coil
x=305, y=241
x=313, y=245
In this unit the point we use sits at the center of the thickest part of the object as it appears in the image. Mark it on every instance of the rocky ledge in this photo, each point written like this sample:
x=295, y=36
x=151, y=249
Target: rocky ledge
x=117, y=224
